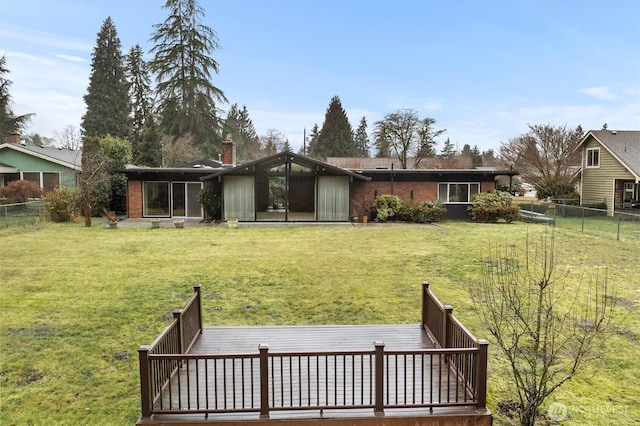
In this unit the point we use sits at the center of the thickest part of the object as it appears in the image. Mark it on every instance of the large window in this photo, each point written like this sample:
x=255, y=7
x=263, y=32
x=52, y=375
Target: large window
x=457, y=192
x=593, y=157
x=156, y=199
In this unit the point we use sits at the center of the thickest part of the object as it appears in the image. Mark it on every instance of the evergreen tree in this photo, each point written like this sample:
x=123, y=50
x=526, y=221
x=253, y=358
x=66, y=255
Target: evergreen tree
x=9, y=122
x=448, y=150
x=476, y=158
x=183, y=63
x=336, y=136
x=140, y=94
x=149, y=152
x=313, y=139
x=361, y=139
x=107, y=97
x=239, y=127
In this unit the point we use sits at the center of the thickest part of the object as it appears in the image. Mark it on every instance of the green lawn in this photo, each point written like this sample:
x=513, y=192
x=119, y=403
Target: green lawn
x=77, y=302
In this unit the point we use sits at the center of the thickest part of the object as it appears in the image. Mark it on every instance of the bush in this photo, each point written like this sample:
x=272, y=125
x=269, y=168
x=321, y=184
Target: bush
x=385, y=207
x=552, y=188
x=422, y=212
x=490, y=207
x=210, y=200
x=62, y=204
x=20, y=191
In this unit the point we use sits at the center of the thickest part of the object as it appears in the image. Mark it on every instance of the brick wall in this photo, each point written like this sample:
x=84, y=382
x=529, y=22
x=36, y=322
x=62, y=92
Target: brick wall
x=134, y=199
x=363, y=193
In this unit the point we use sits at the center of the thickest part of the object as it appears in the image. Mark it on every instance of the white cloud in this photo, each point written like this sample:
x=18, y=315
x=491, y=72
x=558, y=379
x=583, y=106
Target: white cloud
x=602, y=93
x=69, y=58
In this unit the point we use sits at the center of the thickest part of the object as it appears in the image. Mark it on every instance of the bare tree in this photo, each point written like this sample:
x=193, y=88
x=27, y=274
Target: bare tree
x=69, y=138
x=546, y=329
x=405, y=135
x=544, y=156
x=179, y=151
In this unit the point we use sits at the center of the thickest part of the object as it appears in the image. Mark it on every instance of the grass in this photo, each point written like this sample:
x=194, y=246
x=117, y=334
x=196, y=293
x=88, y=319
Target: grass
x=77, y=302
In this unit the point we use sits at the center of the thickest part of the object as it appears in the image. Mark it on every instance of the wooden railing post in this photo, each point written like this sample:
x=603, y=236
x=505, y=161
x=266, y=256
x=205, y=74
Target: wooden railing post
x=264, y=380
x=379, y=362
x=177, y=315
x=145, y=382
x=481, y=374
x=425, y=304
x=446, y=327
x=197, y=290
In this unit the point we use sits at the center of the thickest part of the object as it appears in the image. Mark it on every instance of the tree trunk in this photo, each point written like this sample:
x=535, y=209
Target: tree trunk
x=87, y=215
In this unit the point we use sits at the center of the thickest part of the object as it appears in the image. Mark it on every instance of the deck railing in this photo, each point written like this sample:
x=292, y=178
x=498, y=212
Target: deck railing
x=447, y=331
x=177, y=338
x=453, y=374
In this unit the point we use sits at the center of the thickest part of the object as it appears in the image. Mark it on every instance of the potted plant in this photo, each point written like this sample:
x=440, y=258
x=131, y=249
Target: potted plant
x=112, y=219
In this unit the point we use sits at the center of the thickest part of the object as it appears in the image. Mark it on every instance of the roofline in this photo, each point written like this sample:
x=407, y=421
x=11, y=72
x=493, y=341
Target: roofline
x=604, y=145
x=442, y=171
x=292, y=155
x=188, y=170
x=19, y=148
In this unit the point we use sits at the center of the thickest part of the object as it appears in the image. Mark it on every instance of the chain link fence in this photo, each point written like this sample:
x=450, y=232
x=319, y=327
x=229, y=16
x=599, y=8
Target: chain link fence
x=29, y=213
x=623, y=225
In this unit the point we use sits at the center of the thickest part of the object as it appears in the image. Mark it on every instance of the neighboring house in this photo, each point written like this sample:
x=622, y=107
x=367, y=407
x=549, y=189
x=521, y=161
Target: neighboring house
x=611, y=169
x=290, y=187
x=49, y=167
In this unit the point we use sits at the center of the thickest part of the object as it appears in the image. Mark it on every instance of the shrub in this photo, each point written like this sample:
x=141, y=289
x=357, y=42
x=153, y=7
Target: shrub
x=552, y=188
x=20, y=191
x=62, y=204
x=385, y=207
x=209, y=199
x=490, y=207
x=422, y=212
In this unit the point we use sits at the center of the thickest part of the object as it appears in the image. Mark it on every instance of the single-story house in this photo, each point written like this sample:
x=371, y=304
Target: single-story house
x=49, y=167
x=610, y=171
x=291, y=187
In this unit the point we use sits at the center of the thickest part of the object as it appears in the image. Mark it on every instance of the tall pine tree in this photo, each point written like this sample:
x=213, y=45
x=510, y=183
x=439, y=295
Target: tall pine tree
x=336, y=136
x=183, y=63
x=137, y=73
x=107, y=97
x=361, y=139
x=9, y=122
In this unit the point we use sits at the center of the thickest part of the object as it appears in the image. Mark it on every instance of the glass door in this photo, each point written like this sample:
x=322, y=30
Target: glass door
x=184, y=198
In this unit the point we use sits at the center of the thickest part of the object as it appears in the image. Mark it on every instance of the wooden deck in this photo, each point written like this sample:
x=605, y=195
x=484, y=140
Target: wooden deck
x=304, y=380
x=289, y=375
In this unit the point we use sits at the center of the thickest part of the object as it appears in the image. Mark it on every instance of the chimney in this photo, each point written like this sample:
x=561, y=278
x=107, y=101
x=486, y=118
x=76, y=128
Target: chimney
x=14, y=138
x=228, y=153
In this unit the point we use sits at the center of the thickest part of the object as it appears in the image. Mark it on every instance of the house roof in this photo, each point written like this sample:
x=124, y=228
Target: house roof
x=291, y=156
x=624, y=145
x=202, y=167
x=65, y=157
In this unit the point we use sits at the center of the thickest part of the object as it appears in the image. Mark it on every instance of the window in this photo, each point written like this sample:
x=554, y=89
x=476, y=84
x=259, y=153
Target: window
x=457, y=192
x=156, y=199
x=593, y=157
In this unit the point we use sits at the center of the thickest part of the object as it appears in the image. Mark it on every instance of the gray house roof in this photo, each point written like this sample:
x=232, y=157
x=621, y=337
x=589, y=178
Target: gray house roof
x=62, y=156
x=624, y=145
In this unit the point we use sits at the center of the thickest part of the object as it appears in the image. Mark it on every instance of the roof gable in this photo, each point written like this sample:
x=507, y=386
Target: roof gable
x=286, y=156
x=624, y=145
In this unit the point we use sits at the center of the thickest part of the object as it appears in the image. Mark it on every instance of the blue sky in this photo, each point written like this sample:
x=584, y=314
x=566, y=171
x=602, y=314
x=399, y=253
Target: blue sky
x=482, y=69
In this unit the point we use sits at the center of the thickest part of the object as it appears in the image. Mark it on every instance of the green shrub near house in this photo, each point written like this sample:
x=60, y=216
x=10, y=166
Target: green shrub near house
x=493, y=206
x=390, y=207
x=421, y=212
